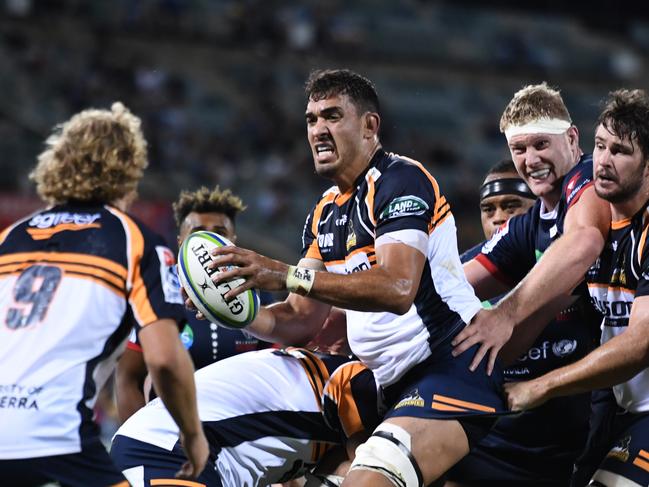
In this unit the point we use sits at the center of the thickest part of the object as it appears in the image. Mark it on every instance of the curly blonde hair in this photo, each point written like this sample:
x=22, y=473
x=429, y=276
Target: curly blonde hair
x=97, y=155
x=204, y=200
x=532, y=103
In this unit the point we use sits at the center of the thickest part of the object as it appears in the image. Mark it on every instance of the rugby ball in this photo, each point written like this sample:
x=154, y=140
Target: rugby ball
x=194, y=257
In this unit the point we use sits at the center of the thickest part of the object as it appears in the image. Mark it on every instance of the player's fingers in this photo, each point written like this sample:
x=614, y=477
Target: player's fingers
x=238, y=290
x=477, y=358
x=226, y=275
x=463, y=335
x=493, y=353
x=464, y=344
x=186, y=471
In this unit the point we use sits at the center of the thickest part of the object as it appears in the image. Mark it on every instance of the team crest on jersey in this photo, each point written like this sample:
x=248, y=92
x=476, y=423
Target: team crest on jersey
x=621, y=450
x=564, y=347
x=404, y=206
x=169, y=275
x=412, y=399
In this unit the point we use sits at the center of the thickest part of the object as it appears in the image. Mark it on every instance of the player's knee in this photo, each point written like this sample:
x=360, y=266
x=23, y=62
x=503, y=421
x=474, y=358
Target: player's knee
x=605, y=478
x=388, y=452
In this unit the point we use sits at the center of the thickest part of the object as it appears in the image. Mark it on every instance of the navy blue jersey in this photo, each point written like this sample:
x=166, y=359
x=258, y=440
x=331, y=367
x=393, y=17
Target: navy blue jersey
x=510, y=255
x=208, y=342
x=394, y=201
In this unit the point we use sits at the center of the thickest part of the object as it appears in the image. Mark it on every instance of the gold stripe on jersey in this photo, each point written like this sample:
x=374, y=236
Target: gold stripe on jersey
x=313, y=251
x=80, y=270
x=369, y=198
x=339, y=390
x=318, y=449
x=619, y=224
x=448, y=403
x=138, y=296
x=641, y=463
x=45, y=233
x=65, y=258
x=599, y=285
x=643, y=239
x=316, y=371
x=121, y=484
x=442, y=209
x=175, y=482
x=368, y=250
x=4, y=233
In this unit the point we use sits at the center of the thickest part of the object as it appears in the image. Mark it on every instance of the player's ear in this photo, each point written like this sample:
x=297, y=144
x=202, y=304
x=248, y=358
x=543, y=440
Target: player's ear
x=372, y=122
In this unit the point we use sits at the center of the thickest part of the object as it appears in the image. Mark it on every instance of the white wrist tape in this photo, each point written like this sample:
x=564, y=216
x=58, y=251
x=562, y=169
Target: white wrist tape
x=299, y=280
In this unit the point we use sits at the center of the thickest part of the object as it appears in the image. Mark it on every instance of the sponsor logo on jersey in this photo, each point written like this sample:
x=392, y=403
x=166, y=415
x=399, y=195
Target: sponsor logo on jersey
x=342, y=221
x=572, y=192
x=187, y=336
x=412, y=399
x=560, y=349
x=47, y=224
x=621, y=450
x=563, y=348
x=325, y=240
x=351, y=237
x=169, y=275
x=48, y=220
x=14, y=396
x=404, y=206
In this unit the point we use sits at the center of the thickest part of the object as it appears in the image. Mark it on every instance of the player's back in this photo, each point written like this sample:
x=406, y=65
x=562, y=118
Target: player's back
x=269, y=414
x=70, y=279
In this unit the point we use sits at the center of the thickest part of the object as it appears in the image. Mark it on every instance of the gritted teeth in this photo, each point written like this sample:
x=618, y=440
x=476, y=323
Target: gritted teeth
x=540, y=173
x=322, y=148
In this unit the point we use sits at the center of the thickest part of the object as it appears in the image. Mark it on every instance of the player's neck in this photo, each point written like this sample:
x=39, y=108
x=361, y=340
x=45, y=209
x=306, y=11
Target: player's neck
x=626, y=209
x=346, y=181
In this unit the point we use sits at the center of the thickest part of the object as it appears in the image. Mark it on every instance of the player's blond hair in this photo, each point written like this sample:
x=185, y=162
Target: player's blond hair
x=97, y=155
x=204, y=200
x=534, y=102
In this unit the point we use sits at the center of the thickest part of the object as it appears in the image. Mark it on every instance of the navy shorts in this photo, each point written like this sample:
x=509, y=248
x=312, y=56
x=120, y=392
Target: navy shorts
x=146, y=463
x=92, y=467
x=443, y=387
x=628, y=450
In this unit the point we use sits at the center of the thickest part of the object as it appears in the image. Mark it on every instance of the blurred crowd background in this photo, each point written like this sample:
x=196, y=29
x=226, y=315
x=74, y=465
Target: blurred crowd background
x=218, y=84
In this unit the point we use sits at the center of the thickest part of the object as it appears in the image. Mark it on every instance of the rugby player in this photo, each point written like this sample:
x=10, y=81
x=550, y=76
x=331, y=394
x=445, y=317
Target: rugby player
x=214, y=211
x=544, y=145
x=503, y=194
x=523, y=450
x=74, y=279
x=619, y=284
x=381, y=243
x=270, y=416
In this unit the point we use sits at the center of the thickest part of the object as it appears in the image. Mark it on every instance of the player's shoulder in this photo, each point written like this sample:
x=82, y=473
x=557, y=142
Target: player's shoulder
x=134, y=227
x=579, y=176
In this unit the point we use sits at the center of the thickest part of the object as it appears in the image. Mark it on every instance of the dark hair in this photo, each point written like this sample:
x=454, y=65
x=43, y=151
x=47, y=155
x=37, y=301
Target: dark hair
x=626, y=114
x=204, y=200
x=503, y=166
x=331, y=82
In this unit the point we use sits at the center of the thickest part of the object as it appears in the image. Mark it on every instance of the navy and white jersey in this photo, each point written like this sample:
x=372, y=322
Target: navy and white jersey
x=619, y=275
x=74, y=280
x=207, y=342
x=269, y=415
x=509, y=256
x=394, y=201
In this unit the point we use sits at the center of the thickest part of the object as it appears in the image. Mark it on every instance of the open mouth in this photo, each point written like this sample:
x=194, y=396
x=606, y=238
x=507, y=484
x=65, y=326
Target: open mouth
x=324, y=149
x=539, y=174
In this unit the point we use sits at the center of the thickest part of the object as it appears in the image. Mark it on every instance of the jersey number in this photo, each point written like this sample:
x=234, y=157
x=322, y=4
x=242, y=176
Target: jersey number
x=33, y=293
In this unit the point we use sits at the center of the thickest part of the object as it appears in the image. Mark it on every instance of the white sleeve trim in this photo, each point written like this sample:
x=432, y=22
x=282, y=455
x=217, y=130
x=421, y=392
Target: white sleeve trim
x=412, y=238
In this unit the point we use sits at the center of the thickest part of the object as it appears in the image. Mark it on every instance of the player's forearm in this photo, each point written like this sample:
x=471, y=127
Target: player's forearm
x=559, y=271
x=294, y=321
x=173, y=380
x=371, y=290
x=616, y=361
x=130, y=397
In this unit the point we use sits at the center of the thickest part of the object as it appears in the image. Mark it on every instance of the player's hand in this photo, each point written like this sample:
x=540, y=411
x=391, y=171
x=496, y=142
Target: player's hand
x=489, y=330
x=197, y=451
x=260, y=272
x=190, y=305
x=525, y=395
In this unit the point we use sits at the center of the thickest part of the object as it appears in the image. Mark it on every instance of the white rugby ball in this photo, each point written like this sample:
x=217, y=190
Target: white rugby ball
x=194, y=256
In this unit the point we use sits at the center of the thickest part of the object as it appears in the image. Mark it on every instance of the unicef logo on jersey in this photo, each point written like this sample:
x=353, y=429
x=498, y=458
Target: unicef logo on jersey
x=564, y=347
x=187, y=337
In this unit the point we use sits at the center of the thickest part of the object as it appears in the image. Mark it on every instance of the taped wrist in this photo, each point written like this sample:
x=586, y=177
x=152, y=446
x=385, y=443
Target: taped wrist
x=299, y=280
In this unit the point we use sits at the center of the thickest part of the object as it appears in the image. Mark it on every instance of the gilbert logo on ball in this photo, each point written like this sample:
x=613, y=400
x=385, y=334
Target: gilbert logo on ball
x=194, y=257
